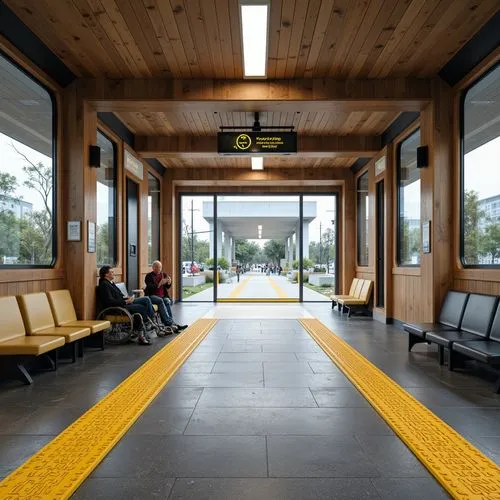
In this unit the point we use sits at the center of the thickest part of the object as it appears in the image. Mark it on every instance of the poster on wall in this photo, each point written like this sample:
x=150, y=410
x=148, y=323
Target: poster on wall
x=426, y=237
x=73, y=232
x=91, y=237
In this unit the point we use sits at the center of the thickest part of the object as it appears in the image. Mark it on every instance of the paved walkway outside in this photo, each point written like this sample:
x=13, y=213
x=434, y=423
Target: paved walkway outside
x=256, y=286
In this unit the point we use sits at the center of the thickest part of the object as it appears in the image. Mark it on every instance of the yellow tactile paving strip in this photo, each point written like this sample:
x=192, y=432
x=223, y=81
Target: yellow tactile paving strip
x=57, y=470
x=460, y=467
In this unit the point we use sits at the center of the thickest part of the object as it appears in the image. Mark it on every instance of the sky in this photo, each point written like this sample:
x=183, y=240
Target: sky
x=12, y=163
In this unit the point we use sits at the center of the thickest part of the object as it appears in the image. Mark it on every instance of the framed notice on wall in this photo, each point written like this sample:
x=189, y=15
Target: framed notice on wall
x=73, y=231
x=426, y=237
x=90, y=237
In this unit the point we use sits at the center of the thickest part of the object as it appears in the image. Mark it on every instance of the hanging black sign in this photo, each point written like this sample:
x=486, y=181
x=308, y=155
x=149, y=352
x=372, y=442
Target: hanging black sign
x=262, y=143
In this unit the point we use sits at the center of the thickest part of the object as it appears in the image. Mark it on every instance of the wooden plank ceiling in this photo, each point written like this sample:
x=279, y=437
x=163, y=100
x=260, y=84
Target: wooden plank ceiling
x=305, y=123
x=201, y=39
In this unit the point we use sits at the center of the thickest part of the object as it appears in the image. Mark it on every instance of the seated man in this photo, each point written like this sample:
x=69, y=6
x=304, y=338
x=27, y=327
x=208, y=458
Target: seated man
x=157, y=285
x=109, y=295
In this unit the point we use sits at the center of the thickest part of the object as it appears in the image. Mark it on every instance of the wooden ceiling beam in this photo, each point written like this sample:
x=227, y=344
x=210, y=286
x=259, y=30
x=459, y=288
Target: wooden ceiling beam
x=307, y=147
x=315, y=94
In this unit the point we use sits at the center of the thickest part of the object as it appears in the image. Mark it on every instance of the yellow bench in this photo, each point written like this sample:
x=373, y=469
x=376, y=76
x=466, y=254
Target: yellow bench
x=38, y=321
x=357, y=303
x=16, y=348
x=354, y=292
x=64, y=314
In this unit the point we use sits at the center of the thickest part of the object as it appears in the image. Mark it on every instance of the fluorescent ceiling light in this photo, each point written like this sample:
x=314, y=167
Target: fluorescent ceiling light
x=259, y=227
x=257, y=163
x=254, y=16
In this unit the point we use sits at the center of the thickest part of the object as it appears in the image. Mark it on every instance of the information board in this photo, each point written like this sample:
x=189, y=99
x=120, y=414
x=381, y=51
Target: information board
x=252, y=143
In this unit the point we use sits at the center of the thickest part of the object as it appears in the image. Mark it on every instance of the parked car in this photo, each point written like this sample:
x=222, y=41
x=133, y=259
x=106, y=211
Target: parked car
x=189, y=267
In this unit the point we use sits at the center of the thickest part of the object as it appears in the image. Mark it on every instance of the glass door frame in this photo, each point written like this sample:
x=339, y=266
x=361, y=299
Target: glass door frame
x=214, y=196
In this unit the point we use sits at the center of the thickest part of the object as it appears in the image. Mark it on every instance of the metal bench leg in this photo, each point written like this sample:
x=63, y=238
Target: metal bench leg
x=497, y=386
x=23, y=374
x=441, y=355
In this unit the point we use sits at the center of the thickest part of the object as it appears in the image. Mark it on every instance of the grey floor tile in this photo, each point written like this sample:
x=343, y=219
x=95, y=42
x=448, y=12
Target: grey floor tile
x=124, y=488
x=313, y=356
x=305, y=380
x=273, y=489
x=161, y=420
x=318, y=456
x=324, y=367
x=260, y=357
x=178, y=397
x=392, y=457
x=297, y=421
x=186, y=456
x=256, y=398
x=196, y=367
x=44, y=421
x=340, y=397
x=15, y=450
x=293, y=367
x=221, y=367
x=409, y=489
x=217, y=380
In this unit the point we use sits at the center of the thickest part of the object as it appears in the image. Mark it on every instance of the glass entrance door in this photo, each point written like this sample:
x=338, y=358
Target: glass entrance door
x=257, y=248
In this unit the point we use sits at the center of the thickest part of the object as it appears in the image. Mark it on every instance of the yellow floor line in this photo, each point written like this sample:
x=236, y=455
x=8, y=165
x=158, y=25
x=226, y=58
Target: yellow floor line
x=239, y=288
x=57, y=470
x=277, y=289
x=460, y=467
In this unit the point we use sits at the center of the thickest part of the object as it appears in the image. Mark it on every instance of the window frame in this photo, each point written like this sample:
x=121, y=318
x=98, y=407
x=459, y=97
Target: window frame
x=115, y=204
x=150, y=172
x=399, y=146
x=463, y=95
x=53, y=100
x=358, y=227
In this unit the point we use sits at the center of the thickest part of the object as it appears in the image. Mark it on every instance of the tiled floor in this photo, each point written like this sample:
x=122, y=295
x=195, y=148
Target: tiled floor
x=257, y=411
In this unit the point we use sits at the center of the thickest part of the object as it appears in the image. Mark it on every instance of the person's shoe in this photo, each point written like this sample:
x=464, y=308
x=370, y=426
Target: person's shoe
x=181, y=327
x=143, y=340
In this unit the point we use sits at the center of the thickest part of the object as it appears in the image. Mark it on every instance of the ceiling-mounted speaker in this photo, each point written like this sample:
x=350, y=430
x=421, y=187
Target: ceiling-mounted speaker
x=94, y=156
x=423, y=157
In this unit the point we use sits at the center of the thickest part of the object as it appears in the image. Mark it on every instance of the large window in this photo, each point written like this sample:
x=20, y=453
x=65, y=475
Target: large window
x=408, y=201
x=480, y=228
x=153, y=218
x=362, y=203
x=27, y=170
x=106, y=202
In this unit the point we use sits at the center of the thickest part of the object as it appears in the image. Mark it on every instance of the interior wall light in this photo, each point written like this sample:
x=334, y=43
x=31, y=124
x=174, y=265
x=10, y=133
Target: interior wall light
x=254, y=17
x=257, y=163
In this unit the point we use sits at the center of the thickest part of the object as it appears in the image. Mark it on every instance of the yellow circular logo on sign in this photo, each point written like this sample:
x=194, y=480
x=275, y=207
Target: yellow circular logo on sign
x=243, y=141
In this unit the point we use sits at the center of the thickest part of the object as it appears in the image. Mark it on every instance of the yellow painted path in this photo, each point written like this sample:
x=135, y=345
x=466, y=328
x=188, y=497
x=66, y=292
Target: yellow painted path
x=281, y=293
x=57, y=470
x=460, y=467
x=239, y=289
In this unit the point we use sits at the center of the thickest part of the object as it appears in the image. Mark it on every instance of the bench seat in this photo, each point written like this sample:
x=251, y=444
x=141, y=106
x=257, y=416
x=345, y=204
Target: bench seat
x=450, y=318
x=446, y=338
x=487, y=351
x=70, y=334
x=30, y=346
x=361, y=301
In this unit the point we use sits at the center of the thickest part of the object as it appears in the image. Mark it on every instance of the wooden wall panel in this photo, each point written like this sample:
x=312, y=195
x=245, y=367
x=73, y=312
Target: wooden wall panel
x=477, y=286
x=407, y=305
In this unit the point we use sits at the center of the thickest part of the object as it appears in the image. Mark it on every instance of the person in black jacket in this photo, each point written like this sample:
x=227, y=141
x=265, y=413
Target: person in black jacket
x=109, y=295
x=157, y=285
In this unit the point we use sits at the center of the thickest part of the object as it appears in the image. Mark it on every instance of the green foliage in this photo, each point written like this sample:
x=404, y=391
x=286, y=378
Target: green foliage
x=245, y=252
x=490, y=242
x=201, y=249
x=274, y=251
x=307, y=263
x=473, y=215
x=221, y=261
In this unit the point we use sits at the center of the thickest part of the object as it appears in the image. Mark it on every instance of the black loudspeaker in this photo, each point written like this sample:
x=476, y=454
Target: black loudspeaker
x=94, y=156
x=423, y=157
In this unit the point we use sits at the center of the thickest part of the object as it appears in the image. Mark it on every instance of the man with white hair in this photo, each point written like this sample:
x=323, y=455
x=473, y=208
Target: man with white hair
x=157, y=285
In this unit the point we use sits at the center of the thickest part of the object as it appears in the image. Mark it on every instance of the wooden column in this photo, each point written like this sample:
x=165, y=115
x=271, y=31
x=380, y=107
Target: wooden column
x=348, y=233
x=436, y=201
x=79, y=199
x=170, y=232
